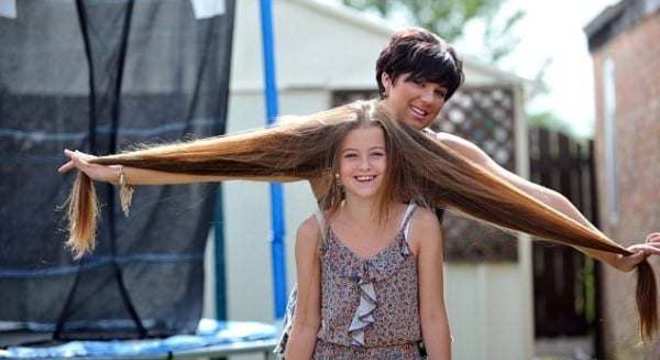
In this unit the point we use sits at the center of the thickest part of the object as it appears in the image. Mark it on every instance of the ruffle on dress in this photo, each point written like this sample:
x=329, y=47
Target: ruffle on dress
x=365, y=272
x=363, y=316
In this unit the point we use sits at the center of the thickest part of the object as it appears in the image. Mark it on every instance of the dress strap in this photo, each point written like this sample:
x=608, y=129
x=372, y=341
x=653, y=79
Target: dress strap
x=405, y=222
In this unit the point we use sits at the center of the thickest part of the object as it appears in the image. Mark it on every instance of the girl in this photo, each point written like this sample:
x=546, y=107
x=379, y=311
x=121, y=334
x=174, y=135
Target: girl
x=369, y=266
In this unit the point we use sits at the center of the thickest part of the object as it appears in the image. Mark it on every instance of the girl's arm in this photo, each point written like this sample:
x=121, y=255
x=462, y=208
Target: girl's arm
x=135, y=176
x=307, y=314
x=556, y=201
x=426, y=235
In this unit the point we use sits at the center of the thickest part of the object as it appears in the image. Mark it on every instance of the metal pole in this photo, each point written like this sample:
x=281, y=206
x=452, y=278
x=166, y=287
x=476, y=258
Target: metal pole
x=276, y=194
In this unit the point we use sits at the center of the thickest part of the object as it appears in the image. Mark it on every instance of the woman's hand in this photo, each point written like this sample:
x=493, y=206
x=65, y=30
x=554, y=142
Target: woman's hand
x=80, y=160
x=640, y=253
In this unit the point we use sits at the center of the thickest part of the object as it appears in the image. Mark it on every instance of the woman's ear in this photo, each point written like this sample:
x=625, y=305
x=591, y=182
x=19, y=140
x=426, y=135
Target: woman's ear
x=386, y=80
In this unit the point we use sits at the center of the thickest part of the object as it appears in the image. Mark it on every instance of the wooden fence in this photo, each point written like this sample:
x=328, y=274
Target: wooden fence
x=565, y=283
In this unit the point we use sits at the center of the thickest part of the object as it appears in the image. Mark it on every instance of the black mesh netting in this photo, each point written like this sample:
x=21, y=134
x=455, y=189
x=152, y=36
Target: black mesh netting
x=98, y=76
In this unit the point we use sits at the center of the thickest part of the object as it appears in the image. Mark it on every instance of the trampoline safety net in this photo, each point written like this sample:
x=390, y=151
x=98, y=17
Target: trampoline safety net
x=100, y=76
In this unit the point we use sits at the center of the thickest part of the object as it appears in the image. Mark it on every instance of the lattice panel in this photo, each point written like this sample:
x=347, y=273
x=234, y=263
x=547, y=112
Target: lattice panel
x=485, y=116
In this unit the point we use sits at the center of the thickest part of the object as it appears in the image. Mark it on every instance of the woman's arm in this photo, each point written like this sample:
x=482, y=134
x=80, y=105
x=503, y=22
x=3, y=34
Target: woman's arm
x=426, y=235
x=555, y=200
x=307, y=315
x=135, y=176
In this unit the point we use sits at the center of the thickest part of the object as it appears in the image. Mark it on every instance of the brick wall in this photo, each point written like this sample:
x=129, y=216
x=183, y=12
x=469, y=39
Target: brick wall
x=636, y=57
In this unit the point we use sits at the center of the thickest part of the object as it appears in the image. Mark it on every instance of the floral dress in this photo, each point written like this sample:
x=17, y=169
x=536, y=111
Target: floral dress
x=369, y=306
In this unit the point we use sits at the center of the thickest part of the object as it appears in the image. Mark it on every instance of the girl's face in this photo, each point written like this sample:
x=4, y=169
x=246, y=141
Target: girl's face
x=363, y=162
x=414, y=103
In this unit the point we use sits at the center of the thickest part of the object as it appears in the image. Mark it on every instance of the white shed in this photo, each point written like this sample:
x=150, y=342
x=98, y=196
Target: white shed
x=321, y=49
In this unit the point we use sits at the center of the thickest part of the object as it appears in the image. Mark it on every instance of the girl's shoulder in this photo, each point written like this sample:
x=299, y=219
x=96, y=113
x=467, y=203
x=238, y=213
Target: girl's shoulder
x=310, y=227
x=425, y=227
x=424, y=218
x=308, y=238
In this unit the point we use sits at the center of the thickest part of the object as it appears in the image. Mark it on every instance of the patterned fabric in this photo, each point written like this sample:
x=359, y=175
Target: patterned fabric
x=369, y=303
x=326, y=350
x=287, y=323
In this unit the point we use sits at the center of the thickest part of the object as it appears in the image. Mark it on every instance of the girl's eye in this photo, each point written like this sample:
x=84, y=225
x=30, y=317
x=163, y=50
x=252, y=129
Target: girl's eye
x=349, y=155
x=378, y=154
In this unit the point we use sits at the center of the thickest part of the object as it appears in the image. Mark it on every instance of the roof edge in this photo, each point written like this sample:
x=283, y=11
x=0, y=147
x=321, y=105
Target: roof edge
x=603, y=18
x=616, y=19
x=354, y=16
x=382, y=27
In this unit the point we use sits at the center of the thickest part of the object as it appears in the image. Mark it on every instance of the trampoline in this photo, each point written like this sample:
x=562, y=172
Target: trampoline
x=107, y=75
x=99, y=76
x=212, y=339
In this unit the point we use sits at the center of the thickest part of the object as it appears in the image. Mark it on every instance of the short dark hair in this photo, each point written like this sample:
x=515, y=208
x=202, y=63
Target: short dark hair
x=424, y=55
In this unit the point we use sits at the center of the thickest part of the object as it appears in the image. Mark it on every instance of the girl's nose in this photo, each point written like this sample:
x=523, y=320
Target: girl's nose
x=365, y=164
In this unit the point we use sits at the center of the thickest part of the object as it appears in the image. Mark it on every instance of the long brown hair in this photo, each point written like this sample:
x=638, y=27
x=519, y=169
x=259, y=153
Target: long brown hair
x=420, y=167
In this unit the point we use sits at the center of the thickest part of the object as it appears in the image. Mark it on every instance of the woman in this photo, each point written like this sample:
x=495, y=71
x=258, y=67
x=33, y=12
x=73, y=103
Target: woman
x=417, y=72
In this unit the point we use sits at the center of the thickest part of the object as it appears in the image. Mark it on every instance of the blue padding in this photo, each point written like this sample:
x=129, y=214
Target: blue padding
x=209, y=333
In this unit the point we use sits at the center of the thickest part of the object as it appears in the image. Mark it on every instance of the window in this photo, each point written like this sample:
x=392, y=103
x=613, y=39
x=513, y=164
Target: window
x=343, y=97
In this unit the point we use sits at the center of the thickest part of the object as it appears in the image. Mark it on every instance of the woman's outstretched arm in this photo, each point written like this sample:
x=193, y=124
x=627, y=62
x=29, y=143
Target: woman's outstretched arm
x=135, y=176
x=557, y=201
x=307, y=315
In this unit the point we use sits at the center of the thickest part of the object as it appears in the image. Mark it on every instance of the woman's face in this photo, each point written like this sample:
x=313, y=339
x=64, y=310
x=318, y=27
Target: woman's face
x=363, y=162
x=414, y=103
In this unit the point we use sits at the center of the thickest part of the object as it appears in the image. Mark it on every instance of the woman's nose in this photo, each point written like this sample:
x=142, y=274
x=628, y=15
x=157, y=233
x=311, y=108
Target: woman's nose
x=428, y=95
